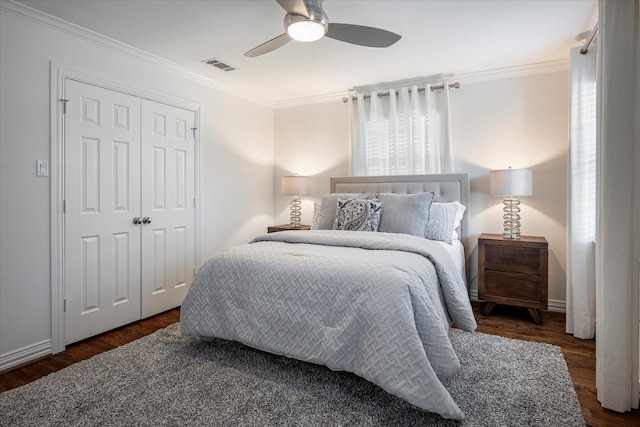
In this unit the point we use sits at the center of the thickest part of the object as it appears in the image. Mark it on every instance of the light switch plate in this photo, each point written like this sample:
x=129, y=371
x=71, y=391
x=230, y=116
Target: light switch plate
x=42, y=168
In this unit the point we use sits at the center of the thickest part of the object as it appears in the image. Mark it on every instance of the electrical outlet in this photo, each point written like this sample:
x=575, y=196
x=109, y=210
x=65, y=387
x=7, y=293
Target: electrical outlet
x=42, y=168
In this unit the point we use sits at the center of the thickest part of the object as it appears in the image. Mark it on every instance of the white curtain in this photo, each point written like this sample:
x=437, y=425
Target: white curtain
x=581, y=220
x=618, y=212
x=405, y=132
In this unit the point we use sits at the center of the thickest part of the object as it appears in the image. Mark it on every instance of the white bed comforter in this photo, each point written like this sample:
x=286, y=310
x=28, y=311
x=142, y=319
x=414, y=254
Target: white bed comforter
x=375, y=304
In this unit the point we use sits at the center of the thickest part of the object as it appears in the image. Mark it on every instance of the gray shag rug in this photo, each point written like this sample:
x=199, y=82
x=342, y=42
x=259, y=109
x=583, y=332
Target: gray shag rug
x=167, y=379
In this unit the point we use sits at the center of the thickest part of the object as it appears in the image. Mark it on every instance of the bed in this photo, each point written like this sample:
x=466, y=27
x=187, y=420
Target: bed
x=378, y=304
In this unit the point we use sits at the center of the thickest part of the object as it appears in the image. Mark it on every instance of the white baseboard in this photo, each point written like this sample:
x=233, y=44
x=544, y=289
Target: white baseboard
x=557, y=305
x=552, y=305
x=25, y=354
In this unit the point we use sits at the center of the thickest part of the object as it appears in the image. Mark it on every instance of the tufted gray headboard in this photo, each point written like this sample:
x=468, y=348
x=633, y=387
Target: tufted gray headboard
x=445, y=187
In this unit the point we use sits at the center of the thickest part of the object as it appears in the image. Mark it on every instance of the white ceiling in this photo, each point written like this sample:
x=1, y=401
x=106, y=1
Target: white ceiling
x=438, y=36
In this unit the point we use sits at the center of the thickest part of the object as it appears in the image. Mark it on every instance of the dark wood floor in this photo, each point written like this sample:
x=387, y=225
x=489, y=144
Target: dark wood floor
x=85, y=349
x=504, y=321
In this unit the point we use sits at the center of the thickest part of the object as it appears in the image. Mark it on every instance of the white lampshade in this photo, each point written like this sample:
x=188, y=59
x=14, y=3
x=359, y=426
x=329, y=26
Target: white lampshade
x=511, y=182
x=295, y=185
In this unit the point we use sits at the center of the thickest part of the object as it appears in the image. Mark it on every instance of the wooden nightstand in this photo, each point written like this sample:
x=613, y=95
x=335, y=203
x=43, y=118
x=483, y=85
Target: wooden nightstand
x=285, y=227
x=513, y=272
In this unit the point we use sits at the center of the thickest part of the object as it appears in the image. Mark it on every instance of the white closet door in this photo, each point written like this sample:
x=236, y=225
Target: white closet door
x=168, y=199
x=102, y=196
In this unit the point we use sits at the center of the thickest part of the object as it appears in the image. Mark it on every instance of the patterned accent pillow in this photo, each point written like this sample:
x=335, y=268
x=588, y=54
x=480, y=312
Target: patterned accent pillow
x=325, y=216
x=357, y=214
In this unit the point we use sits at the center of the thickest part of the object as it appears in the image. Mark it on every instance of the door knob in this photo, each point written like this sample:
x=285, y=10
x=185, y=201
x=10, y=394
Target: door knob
x=136, y=220
x=146, y=220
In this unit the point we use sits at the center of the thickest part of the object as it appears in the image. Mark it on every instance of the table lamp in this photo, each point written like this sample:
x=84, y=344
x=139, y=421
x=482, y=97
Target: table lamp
x=295, y=186
x=509, y=183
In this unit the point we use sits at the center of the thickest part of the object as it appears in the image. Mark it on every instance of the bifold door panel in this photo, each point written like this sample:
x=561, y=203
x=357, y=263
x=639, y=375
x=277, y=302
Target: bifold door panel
x=129, y=208
x=168, y=199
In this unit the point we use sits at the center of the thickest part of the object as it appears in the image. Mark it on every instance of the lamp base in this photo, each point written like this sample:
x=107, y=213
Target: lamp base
x=295, y=209
x=511, y=218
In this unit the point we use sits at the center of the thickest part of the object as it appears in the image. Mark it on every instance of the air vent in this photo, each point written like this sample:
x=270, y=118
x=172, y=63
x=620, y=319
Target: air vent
x=219, y=64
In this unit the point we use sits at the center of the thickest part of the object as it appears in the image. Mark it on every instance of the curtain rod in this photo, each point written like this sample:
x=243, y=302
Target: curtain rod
x=585, y=49
x=455, y=85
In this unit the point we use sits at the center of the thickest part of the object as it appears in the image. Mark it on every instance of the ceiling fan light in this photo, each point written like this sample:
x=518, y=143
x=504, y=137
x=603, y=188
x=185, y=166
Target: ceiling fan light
x=306, y=31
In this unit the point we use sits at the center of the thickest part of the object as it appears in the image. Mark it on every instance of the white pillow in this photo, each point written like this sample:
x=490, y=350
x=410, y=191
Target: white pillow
x=324, y=217
x=458, y=221
x=444, y=220
x=405, y=213
x=358, y=215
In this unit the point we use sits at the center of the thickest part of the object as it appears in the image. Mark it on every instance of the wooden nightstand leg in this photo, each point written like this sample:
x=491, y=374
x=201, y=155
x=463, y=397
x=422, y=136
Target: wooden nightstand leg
x=536, y=315
x=488, y=308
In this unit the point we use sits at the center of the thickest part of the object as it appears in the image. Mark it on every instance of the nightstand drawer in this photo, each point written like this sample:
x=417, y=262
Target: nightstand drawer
x=512, y=259
x=510, y=285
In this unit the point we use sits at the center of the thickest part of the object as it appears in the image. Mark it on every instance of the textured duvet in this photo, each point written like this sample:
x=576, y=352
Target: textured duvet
x=376, y=304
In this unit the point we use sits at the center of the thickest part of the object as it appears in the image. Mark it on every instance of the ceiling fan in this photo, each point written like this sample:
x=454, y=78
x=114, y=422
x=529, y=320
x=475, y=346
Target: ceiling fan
x=306, y=21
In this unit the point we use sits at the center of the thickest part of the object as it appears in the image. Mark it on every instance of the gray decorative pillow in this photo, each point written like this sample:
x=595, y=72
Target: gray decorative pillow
x=357, y=215
x=405, y=213
x=444, y=219
x=325, y=216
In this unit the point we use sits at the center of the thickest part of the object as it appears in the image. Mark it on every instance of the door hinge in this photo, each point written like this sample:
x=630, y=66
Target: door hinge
x=64, y=305
x=64, y=105
x=64, y=206
x=194, y=203
x=194, y=131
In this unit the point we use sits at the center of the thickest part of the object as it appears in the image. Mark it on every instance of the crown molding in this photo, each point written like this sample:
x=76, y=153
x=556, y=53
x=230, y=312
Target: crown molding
x=25, y=12
x=471, y=77
x=511, y=72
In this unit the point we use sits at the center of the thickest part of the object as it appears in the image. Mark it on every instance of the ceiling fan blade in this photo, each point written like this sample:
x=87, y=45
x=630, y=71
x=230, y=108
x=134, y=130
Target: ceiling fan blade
x=296, y=7
x=361, y=35
x=267, y=47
